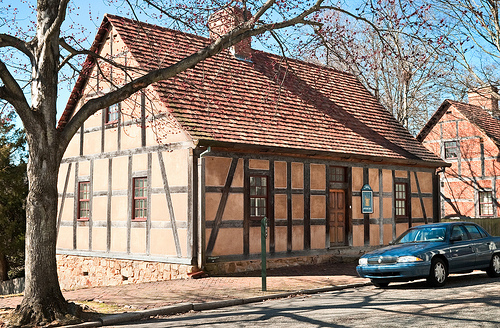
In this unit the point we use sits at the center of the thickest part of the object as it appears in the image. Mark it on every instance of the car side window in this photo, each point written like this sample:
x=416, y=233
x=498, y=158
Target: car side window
x=459, y=231
x=473, y=231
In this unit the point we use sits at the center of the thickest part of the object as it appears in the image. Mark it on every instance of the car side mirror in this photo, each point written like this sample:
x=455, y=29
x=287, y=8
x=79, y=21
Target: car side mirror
x=455, y=238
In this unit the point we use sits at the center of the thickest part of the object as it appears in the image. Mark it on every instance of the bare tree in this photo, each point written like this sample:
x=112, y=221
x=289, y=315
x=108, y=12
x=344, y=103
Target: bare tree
x=397, y=61
x=41, y=47
x=475, y=39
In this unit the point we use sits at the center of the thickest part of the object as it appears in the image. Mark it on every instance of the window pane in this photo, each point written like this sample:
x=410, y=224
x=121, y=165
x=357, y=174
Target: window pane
x=258, y=196
x=140, y=198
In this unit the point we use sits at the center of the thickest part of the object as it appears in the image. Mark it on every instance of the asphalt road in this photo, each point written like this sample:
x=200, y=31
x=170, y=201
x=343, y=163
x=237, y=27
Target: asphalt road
x=466, y=301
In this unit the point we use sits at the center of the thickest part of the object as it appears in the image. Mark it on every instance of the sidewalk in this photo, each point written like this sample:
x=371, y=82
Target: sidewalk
x=134, y=297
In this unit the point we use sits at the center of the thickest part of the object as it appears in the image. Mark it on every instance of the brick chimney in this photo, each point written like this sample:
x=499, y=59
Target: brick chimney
x=485, y=97
x=223, y=21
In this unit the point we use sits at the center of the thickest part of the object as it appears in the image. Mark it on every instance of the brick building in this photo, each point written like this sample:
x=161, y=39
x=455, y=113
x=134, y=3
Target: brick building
x=467, y=135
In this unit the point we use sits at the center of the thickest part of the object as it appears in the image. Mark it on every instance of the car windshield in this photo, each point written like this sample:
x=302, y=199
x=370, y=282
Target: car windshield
x=423, y=234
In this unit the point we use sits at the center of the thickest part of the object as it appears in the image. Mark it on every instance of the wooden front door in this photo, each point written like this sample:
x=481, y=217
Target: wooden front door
x=337, y=220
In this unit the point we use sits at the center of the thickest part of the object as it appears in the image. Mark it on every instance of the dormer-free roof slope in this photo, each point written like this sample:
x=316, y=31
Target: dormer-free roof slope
x=268, y=101
x=477, y=115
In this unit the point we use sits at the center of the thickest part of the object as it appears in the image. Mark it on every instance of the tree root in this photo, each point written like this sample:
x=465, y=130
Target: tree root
x=30, y=314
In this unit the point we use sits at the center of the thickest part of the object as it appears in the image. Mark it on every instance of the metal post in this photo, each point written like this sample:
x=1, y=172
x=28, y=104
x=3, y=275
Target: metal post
x=263, y=236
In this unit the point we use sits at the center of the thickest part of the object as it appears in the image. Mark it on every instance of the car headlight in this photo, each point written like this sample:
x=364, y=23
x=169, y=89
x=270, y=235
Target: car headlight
x=363, y=261
x=406, y=259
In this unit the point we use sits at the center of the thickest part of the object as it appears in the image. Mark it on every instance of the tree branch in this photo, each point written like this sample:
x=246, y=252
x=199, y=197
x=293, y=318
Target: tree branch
x=56, y=25
x=12, y=93
x=11, y=41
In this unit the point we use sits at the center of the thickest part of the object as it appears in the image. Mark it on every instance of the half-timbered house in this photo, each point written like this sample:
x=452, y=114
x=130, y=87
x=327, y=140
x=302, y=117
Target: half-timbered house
x=178, y=177
x=467, y=135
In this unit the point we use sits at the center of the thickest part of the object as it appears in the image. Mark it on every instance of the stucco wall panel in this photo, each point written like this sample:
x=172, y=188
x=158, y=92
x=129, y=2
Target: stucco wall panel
x=82, y=238
x=357, y=178
x=376, y=208
x=131, y=137
x=238, y=175
x=94, y=120
x=297, y=206
x=258, y=164
x=374, y=234
x=387, y=180
x=159, y=208
x=162, y=242
x=99, y=237
x=387, y=203
x=176, y=168
x=400, y=174
x=356, y=208
x=280, y=206
x=280, y=241
x=138, y=240
x=140, y=162
x=297, y=175
x=216, y=169
x=318, y=235
x=61, y=178
x=212, y=201
x=100, y=180
x=110, y=138
x=387, y=233
x=65, y=237
x=84, y=168
x=400, y=228
x=358, y=235
x=99, y=208
x=297, y=238
x=318, y=177
x=119, y=208
x=68, y=210
x=119, y=240
x=180, y=203
x=318, y=207
x=73, y=146
x=255, y=242
x=280, y=174
x=373, y=179
x=234, y=208
x=416, y=208
x=424, y=181
x=120, y=167
x=90, y=141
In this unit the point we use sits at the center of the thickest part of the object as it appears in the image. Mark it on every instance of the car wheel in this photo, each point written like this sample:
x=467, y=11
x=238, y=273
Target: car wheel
x=439, y=273
x=494, y=269
x=379, y=284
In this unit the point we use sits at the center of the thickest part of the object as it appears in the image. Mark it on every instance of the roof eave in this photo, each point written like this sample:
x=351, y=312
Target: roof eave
x=202, y=143
x=433, y=120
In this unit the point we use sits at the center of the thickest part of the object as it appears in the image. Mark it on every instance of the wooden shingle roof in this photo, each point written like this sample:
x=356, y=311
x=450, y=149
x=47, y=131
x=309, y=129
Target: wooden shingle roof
x=269, y=101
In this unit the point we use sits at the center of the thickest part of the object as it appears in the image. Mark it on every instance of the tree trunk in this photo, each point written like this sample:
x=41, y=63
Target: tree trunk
x=43, y=301
x=4, y=268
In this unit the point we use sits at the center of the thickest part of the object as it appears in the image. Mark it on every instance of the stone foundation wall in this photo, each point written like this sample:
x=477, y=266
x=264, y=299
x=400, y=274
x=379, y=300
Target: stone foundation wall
x=78, y=271
x=336, y=255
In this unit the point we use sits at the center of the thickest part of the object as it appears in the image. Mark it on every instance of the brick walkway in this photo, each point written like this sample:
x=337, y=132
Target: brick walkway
x=157, y=294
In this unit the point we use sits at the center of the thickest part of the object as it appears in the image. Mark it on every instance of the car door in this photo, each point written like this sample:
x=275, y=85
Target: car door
x=481, y=246
x=461, y=255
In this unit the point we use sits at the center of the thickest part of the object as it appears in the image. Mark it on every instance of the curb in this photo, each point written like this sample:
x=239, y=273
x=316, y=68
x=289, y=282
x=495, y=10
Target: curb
x=120, y=318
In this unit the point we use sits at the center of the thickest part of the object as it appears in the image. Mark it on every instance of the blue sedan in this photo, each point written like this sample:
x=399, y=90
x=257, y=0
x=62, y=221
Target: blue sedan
x=432, y=251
